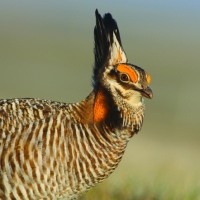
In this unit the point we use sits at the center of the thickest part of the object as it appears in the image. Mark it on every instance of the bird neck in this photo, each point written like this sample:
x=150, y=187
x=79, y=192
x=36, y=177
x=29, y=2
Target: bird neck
x=104, y=108
x=102, y=145
x=117, y=112
x=131, y=114
x=95, y=109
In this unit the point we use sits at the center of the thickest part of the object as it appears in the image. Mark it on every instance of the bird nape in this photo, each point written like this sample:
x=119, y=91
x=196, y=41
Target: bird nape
x=51, y=150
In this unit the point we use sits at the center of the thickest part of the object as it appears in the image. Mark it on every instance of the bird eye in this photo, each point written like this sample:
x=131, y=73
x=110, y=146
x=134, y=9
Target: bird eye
x=124, y=77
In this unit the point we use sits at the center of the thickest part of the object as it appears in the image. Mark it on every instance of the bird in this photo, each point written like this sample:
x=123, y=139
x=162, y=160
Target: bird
x=56, y=150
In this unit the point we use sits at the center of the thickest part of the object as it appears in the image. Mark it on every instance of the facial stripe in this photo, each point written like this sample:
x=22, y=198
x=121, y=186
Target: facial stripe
x=128, y=70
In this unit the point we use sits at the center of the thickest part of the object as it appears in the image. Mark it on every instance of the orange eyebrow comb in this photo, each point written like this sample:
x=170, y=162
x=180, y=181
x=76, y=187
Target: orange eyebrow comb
x=128, y=70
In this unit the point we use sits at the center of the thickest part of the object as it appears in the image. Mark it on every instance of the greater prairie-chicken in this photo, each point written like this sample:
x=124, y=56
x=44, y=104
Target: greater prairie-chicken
x=52, y=150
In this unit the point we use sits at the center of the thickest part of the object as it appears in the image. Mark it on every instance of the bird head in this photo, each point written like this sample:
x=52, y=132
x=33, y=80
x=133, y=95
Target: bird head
x=129, y=82
x=112, y=70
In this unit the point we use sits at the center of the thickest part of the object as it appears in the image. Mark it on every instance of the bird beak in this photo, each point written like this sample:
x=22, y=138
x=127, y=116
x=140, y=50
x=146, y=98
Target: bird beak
x=147, y=92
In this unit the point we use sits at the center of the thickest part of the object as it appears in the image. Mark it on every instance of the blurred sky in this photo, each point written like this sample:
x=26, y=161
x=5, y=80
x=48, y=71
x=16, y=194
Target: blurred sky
x=46, y=51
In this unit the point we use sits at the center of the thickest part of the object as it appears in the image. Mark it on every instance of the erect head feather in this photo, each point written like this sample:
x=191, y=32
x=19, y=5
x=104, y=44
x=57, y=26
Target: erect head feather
x=108, y=49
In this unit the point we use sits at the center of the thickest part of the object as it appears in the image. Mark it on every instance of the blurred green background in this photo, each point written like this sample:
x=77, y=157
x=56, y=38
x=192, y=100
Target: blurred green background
x=46, y=51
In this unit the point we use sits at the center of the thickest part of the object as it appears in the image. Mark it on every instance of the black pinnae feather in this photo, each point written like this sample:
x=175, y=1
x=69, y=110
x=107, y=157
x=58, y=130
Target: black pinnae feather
x=103, y=38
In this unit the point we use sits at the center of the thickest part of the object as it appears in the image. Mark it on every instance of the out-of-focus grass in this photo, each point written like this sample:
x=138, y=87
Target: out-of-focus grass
x=138, y=187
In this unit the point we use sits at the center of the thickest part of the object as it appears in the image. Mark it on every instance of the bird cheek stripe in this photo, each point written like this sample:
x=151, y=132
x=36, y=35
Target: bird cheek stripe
x=128, y=70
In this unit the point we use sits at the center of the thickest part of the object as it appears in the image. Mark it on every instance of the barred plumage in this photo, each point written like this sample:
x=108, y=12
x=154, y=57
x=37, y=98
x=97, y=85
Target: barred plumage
x=45, y=151
x=52, y=150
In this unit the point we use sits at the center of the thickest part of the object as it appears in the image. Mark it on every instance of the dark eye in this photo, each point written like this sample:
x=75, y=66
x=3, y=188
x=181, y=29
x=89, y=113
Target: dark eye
x=124, y=77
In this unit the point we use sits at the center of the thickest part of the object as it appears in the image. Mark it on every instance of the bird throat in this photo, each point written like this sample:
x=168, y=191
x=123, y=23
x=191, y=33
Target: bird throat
x=101, y=107
x=131, y=117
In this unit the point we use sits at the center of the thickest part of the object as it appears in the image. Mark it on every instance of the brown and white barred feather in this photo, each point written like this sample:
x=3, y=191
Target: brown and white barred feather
x=46, y=153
